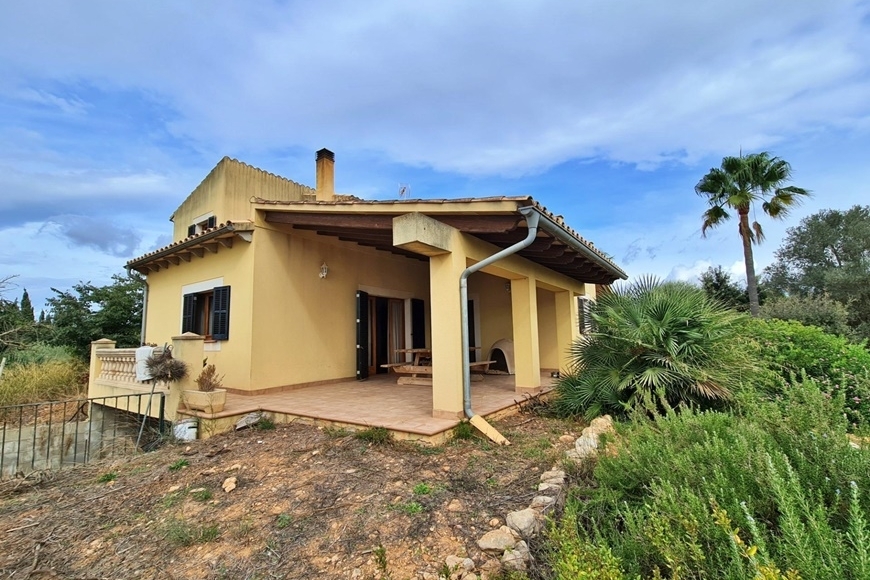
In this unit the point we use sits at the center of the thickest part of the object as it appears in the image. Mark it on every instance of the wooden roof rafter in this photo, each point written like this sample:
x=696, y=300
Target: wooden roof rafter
x=197, y=246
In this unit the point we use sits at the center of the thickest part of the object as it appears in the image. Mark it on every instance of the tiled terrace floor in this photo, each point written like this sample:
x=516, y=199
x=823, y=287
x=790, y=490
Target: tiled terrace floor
x=377, y=402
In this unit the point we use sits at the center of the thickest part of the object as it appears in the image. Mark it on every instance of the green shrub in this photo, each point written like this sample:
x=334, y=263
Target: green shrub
x=463, y=431
x=37, y=353
x=820, y=311
x=781, y=468
x=839, y=367
x=34, y=382
x=657, y=345
x=573, y=557
x=375, y=435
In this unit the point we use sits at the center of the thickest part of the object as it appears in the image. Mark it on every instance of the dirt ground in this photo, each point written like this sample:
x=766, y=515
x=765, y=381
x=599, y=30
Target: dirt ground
x=308, y=503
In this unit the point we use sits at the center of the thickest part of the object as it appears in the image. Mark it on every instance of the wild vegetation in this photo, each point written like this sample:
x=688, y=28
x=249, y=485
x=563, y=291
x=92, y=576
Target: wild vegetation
x=827, y=255
x=820, y=277
x=763, y=482
x=46, y=357
x=771, y=490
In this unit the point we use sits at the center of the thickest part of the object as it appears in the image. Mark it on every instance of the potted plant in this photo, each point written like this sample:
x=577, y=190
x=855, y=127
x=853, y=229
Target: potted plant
x=209, y=396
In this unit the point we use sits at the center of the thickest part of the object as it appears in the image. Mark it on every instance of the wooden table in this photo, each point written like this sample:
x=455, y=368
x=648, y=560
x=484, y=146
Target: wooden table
x=419, y=370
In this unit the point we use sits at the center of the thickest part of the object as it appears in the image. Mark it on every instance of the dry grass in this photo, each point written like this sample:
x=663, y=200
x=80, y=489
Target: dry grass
x=38, y=382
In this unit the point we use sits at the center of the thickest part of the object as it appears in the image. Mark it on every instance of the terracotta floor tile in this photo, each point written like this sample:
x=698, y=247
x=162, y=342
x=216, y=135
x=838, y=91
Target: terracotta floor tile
x=378, y=401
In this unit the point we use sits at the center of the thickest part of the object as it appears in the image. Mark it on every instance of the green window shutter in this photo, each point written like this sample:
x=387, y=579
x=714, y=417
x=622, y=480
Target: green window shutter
x=188, y=313
x=220, y=317
x=191, y=230
x=584, y=314
x=362, y=335
x=212, y=222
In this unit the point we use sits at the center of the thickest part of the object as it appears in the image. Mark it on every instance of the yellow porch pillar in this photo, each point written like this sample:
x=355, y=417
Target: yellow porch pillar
x=567, y=327
x=524, y=308
x=188, y=348
x=444, y=272
x=445, y=247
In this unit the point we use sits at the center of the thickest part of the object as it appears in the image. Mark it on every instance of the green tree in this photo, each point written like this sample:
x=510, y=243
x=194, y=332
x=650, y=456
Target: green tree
x=12, y=324
x=828, y=254
x=26, y=307
x=718, y=285
x=90, y=312
x=740, y=184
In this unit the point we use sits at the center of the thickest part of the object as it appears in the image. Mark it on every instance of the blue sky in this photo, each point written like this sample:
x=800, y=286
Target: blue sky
x=606, y=112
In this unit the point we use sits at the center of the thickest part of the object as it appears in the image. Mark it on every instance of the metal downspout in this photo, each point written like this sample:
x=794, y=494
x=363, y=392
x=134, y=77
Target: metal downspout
x=144, y=308
x=532, y=218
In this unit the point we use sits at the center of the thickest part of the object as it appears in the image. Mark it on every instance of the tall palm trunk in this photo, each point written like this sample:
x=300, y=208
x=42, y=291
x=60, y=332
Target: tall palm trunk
x=749, y=261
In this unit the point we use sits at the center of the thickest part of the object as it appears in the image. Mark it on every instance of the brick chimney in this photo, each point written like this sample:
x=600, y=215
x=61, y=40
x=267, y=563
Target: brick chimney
x=325, y=175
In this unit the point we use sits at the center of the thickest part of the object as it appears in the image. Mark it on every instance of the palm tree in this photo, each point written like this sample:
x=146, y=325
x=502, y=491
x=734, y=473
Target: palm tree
x=657, y=345
x=740, y=184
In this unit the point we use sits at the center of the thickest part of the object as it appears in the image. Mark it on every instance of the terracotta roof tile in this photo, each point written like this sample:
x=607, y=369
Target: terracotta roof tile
x=242, y=225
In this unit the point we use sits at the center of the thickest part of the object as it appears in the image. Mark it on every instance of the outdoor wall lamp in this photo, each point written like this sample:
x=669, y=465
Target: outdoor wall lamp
x=324, y=270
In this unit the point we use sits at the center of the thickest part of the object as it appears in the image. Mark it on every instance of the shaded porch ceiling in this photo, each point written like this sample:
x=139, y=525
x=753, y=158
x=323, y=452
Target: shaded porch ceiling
x=500, y=230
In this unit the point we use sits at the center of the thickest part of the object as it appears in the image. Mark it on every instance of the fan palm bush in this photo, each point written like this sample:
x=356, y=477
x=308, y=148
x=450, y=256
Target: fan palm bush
x=657, y=344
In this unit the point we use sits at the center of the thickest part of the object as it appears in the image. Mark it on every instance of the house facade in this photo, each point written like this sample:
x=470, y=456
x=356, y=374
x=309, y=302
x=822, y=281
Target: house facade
x=297, y=287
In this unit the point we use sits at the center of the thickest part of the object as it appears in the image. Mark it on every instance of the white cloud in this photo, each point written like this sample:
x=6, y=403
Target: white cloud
x=115, y=109
x=470, y=87
x=690, y=272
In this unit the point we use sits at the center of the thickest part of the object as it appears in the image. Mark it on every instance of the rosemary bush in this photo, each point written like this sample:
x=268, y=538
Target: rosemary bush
x=771, y=490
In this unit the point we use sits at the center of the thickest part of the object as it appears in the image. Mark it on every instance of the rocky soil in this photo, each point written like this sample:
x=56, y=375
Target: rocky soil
x=295, y=501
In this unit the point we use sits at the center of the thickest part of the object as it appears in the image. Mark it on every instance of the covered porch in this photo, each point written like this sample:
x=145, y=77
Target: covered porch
x=530, y=297
x=406, y=410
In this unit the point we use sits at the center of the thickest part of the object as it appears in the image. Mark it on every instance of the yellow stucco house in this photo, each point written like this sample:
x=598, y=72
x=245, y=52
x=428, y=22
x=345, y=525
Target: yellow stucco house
x=288, y=288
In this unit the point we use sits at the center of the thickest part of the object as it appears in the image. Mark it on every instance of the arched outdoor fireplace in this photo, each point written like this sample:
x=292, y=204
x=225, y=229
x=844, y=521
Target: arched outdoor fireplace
x=502, y=352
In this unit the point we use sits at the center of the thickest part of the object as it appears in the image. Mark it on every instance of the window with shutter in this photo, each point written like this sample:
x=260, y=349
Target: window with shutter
x=207, y=313
x=188, y=313
x=584, y=315
x=202, y=225
x=221, y=314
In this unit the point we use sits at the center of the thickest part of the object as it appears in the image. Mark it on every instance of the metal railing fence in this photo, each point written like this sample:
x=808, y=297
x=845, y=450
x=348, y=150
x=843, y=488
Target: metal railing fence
x=51, y=435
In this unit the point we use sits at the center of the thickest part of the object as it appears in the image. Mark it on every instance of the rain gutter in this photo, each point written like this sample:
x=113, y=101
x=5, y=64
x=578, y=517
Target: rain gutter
x=532, y=216
x=558, y=231
x=144, y=306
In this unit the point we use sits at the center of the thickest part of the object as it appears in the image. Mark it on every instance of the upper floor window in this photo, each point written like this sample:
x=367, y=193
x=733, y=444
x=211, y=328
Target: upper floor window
x=201, y=225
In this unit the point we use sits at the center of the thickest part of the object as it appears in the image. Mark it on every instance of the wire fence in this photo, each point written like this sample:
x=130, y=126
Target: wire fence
x=52, y=435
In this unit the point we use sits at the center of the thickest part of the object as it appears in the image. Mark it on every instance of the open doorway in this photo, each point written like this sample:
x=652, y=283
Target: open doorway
x=382, y=325
x=386, y=332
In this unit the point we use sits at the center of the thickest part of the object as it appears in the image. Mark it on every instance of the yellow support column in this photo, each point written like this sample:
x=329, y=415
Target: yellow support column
x=187, y=348
x=527, y=360
x=444, y=272
x=567, y=327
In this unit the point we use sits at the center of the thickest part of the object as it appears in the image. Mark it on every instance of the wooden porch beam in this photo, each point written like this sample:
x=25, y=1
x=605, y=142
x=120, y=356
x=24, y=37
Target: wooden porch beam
x=315, y=221
x=484, y=224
